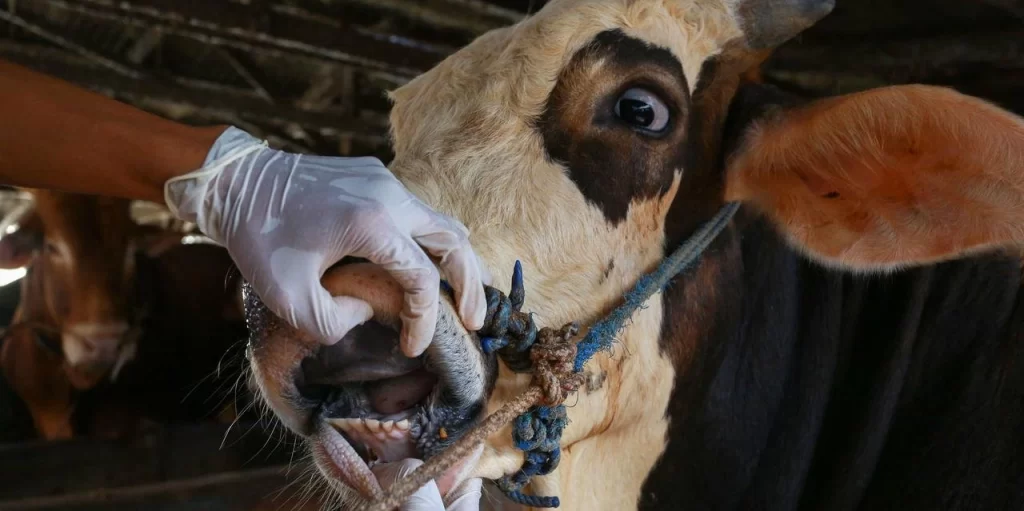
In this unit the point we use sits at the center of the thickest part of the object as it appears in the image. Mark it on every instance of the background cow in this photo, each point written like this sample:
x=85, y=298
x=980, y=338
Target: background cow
x=794, y=368
x=117, y=323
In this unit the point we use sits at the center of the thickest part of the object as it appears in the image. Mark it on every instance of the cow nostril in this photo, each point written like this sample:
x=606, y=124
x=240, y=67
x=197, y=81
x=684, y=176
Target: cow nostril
x=94, y=351
x=98, y=337
x=85, y=345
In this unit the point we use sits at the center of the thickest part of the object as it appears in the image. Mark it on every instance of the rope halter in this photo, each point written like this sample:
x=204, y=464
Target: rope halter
x=557, y=363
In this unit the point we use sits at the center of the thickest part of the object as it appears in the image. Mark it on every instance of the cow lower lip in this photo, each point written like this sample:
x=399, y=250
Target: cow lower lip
x=385, y=428
x=340, y=461
x=356, y=445
x=353, y=445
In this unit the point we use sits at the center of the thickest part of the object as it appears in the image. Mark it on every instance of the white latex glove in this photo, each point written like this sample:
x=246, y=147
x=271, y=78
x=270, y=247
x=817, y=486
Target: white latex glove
x=428, y=498
x=285, y=218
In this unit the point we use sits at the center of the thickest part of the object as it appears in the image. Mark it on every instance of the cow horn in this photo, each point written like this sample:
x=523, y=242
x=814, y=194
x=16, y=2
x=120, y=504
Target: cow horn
x=769, y=23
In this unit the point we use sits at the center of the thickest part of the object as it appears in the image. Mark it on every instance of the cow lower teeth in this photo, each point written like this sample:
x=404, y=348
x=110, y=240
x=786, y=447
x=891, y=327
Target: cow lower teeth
x=387, y=440
x=373, y=425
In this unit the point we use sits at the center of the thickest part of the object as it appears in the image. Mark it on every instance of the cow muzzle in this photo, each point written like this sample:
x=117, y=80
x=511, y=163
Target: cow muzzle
x=362, y=400
x=94, y=351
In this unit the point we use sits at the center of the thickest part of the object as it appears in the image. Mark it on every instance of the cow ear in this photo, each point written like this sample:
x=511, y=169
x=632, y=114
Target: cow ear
x=890, y=177
x=21, y=237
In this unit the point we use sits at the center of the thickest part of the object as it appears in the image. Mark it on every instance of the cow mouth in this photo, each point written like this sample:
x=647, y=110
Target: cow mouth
x=361, y=401
x=92, y=372
x=373, y=403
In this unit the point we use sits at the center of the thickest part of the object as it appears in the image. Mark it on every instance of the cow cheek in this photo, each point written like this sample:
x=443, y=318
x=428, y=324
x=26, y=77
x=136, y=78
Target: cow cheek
x=39, y=380
x=275, y=359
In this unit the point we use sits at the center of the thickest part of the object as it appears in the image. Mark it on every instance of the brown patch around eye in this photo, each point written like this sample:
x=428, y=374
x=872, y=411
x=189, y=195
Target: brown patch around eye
x=612, y=163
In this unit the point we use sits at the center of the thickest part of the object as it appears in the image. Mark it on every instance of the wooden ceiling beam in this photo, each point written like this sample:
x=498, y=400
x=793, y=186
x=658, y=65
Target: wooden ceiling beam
x=921, y=58
x=177, y=99
x=274, y=28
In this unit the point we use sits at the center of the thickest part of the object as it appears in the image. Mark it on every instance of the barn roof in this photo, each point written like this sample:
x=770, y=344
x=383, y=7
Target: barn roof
x=309, y=75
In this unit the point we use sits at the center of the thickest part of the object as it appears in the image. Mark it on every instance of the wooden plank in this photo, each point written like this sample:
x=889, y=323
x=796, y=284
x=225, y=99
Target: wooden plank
x=265, y=489
x=180, y=452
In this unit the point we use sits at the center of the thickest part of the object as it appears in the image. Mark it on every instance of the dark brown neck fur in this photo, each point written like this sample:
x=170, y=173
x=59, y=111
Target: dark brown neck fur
x=802, y=388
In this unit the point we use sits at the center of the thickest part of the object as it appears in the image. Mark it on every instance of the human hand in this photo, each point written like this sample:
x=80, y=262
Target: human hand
x=428, y=498
x=286, y=218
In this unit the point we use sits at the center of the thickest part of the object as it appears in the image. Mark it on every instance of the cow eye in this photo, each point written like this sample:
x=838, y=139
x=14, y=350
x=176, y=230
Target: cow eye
x=642, y=109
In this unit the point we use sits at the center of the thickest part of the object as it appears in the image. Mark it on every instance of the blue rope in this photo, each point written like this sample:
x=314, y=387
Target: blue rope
x=511, y=334
x=603, y=332
x=538, y=433
x=508, y=331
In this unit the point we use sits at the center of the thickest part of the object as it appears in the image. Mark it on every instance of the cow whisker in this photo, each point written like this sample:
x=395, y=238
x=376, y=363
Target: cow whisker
x=234, y=422
x=226, y=360
x=296, y=481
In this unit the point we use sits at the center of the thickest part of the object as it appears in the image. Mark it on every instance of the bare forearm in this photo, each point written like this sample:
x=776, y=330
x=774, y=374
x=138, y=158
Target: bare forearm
x=56, y=135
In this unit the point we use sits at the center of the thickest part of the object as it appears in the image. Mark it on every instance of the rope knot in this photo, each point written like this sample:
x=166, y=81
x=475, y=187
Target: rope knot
x=553, y=356
x=538, y=434
x=507, y=330
x=541, y=417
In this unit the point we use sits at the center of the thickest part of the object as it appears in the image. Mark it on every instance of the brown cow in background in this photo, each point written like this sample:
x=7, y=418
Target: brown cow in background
x=117, y=322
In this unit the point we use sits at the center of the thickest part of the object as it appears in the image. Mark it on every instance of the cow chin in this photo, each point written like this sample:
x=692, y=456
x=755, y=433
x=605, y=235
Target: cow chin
x=361, y=401
x=86, y=376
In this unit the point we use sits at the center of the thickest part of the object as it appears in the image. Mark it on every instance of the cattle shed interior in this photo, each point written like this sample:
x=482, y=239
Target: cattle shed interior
x=310, y=76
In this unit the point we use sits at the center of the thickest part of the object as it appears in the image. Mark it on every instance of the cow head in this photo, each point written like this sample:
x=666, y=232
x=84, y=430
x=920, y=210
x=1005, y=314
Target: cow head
x=586, y=141
x=81, y=255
